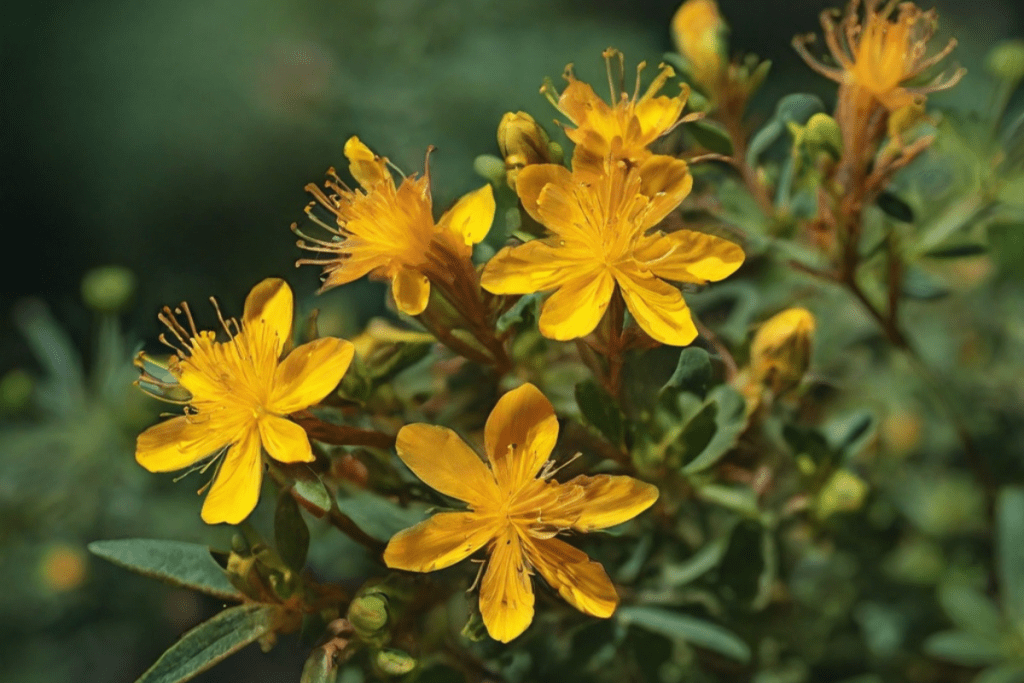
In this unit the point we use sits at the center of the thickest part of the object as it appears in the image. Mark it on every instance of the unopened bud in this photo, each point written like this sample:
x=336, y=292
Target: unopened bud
x=781, y=351
x=844, y=492
x=394, y=662
x=368, y=614
x=522, y=142
x=823, y=132
x=699, y=34
x=108, y=289
x=1006, y=60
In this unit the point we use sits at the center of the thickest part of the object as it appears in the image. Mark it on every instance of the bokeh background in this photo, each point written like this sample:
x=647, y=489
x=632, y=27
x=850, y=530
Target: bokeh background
x=174, y=138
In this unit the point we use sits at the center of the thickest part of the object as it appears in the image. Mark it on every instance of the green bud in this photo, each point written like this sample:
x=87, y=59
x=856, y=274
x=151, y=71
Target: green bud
x=1006, y=60
x=823, y=132
x=368, y=614
x=394, y=662
x=490, y=168
x=108, y=289
x=15, y=390
x=844, y=492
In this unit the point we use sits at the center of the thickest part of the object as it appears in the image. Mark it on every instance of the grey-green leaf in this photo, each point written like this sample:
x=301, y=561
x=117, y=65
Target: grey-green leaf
x=678, y=626
x=211, y=642
x=1010, y=673
x=291, y=535
x=970, y=610
x=189, y=565
x=710, y=136
x=1010, y=547
x=966, y=649
x=693, y=372
x=730, y=421
x=377, y=516
x=601, y=411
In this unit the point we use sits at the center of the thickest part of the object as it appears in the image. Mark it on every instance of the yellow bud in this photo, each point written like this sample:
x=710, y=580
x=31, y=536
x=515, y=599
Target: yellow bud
x=368, y=614
x=1006, y=60
x=394, y=662
x=843, y=492
x=781, y=351
x=823, y=132
x=699, y=34
x=522, y=142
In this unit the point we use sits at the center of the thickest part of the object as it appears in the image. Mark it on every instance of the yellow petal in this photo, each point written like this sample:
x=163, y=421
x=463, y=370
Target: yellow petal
x=536, y=266
x=581, y=582
x=367, y=168
x=177, y=443
x=599, y=502
x=576, y=308
x=532, y=179
x=358, y=260
x=657, y=114
x=439, y=542
x=444, y=462
x=506, y=593
x=284, y=440
x=658, y=308
x=688, y=256
x=519, y=436
x=267, y=321
x=236, y=488
x=666, y=181
x=309, y=373
x=471, y=217
x=411, y=290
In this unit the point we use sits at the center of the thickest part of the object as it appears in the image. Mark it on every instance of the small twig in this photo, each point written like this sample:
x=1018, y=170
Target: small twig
x=342, y=435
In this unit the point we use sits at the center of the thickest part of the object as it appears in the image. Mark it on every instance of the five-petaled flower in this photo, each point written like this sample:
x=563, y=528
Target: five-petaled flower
x=240, y=392
x=389, y=231
x=514, y=512
x=624, y=130
x=601, y=239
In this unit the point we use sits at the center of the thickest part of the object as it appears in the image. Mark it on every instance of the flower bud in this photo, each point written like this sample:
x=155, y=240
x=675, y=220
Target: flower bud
x=699, y=34
x=522, y=142
x=368, y=615
x=394, y=662
x=843, y=492
x=822, y=132
x=108, y=289
x=781, y=351
x=1006, y=60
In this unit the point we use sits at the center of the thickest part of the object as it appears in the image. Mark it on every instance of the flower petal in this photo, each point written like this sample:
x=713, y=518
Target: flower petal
x=658, y=114
x=506, y=592
x=576, y=308
x=688, y=256
x=284, y=440
x=519, y=436
x=532, y=179
x=439, y=542
x=236, y=489
x=658, y=307
x=367, y=168
x=356, y=260
x=267, y=321
x=666, y=181
x=599, y=502
x=177, y=443
x=444, y=462
x=309, y=373
x=471, y=217
x=581, y=582
x=536, y=266
x=411, y=290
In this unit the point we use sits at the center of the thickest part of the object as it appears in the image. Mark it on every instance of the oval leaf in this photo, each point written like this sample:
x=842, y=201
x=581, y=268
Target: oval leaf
x=966, y=649
x=730, y=421
x=212, y=641
x=188, y=565
x=677, y=626
x=291, y=535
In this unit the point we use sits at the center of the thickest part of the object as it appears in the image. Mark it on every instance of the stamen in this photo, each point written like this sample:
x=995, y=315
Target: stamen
x=220, y=317
x=479, y=574
x=549, y=470
x=191, y=322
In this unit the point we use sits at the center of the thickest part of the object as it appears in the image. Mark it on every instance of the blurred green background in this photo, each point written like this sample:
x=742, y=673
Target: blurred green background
x=174, y=139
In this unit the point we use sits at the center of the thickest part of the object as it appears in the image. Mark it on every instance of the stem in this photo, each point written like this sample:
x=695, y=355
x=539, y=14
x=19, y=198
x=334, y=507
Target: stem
x=342, y=435
x=731, y=368
x=733, y=122
x=616, y=318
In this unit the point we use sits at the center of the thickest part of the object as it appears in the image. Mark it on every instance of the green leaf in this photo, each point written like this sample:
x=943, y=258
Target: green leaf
x=743, y=562
x=698, y=564
x=710, y=136
x=377, y=516
x=895, y=207
x=958, y=250
x=730, y=421
x=794, y=108
x=919, y=284
x=317, y=499
x=692, y=630
x=291, y=535
x=320, y=667
x=522, y=311
x=1010, y=550
x=737, y=498
x=188, y=565
x=966, y=649
x=600, y=410
x=211, y=642
x=693, y=372
x=1010, y=673
x=970, y=610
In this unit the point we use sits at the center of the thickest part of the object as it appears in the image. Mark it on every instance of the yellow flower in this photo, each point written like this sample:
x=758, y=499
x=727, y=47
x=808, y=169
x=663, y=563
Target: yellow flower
x=240, y=392
x=601, y=239
x=698, y=32
x=389, y=231
x=880, y=54
x=516, y=510
x=623, y=130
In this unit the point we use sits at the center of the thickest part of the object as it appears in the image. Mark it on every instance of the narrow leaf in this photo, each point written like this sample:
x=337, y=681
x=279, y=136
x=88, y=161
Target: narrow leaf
x=677, y=626
x=291, y=535
x=1010, y=547
x=211, y=642
x=966, y=649
x=188, y=565
x=895, y=207
x=711, y=136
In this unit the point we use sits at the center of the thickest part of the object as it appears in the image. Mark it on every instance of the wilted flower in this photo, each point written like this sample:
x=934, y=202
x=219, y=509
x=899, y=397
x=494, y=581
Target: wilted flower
x=781, y=351
x=600, y=239
x=239, y=393
x=389, y=231
x=516, y=510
